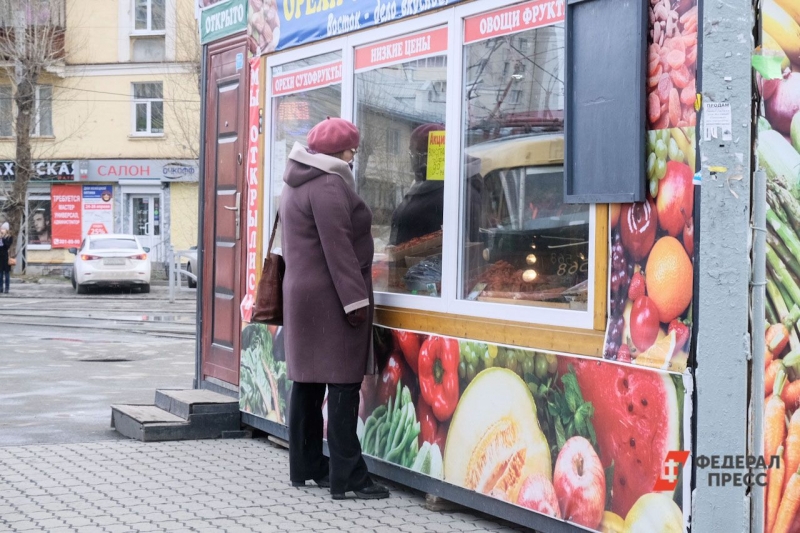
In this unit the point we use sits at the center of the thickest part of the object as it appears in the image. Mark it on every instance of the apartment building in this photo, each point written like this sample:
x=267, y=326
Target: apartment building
x=115, y=131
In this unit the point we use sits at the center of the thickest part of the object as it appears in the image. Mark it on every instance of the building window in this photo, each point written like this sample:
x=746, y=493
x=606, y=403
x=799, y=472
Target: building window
x=39, y=221
x=149, y=16
x=393, y=141
x=42, y=120
x=148, y=108
x=6, y=106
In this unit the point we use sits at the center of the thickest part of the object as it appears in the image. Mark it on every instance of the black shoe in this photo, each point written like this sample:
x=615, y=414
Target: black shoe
x=324, y=482
x=373, y=492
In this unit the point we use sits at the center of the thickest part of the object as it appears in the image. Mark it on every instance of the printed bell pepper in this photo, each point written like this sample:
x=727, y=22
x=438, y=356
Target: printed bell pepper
x=428, y=425
x=438, y=375
x=409, y=344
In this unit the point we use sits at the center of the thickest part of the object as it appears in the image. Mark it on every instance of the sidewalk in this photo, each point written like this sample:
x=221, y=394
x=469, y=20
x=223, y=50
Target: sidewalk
x=203, y=486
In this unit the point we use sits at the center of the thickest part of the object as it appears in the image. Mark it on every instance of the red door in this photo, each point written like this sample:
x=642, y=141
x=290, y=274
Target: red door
x=226, y=143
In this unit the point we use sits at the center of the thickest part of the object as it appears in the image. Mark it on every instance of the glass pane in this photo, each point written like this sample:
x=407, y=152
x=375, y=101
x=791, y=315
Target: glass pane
x=141, y=15
x=5, y=112
x=147, y=90
x=156, y=215
x=295, y=115
x=45, y=110
x=141, y=118
x=110, y=244
x=157, y=118
x=400, y=111
x=522, y=245
x=157, y=14
x=39, y=222
x=141, y=216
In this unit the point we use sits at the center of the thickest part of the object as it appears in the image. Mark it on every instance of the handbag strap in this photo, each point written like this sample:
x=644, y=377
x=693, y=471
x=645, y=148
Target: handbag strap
x=274, y=230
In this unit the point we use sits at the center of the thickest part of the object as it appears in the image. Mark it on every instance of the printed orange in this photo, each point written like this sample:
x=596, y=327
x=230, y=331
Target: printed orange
x=669, y=274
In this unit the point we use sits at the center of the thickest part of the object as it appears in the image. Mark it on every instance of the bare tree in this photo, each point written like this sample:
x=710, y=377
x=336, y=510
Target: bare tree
x=32, y=36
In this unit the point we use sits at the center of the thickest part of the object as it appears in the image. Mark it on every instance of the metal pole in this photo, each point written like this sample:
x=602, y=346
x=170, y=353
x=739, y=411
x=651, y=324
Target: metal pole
x=198, y=354
x=757, y=339
x=170, y=273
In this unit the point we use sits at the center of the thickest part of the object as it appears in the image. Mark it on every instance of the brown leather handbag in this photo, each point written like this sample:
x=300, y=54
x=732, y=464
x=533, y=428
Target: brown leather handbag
x=268, y=308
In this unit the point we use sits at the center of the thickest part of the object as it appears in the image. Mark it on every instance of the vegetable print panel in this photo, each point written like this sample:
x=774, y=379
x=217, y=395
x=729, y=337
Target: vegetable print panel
x=580, y=439
x=652, y=242
x=778, y=79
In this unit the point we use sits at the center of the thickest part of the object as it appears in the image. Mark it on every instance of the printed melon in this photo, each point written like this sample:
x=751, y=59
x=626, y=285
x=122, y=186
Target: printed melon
x=637, y=421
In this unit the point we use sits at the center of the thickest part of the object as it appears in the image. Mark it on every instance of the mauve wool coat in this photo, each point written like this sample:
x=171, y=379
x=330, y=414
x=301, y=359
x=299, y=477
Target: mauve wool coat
x=326, y=242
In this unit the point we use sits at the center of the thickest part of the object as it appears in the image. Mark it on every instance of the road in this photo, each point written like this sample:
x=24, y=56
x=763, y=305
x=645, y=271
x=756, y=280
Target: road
x=64, y=358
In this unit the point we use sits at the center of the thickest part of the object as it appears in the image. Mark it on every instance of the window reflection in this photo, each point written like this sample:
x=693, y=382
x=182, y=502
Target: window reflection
x=521, y=243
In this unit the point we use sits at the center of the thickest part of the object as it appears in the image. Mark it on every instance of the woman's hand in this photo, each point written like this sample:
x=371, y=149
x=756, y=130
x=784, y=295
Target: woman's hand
x=357, y=317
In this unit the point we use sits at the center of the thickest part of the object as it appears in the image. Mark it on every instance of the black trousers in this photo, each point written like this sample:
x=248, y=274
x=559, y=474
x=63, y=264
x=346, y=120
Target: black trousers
x=346, y=466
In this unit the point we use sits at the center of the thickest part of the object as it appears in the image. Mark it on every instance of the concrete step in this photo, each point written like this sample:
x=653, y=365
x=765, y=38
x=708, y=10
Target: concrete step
x=184, y=403
x=179, y=415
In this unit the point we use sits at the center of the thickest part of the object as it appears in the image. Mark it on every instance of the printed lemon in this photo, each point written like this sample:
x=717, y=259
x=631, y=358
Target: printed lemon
x=669, y=278
x=659, y=355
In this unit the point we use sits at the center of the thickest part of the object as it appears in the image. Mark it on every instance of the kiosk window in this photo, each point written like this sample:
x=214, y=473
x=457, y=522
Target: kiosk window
x=400, y=110
x=521, y=243
x=306, y=92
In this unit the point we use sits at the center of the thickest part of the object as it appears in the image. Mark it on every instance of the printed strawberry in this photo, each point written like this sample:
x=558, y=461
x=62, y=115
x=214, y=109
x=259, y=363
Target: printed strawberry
x=624, y=354
x=637, y=287
x=681, y=333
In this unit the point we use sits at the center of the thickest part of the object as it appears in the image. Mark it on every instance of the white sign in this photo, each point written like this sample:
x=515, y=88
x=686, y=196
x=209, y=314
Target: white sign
x=717, y=115
x=98, y=209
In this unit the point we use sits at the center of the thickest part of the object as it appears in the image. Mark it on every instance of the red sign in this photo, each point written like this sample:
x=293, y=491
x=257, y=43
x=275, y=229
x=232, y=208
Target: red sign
x=522, y=17
x=253, y=216
x=66, y=215
x=402, y=49
x=307, y=79
x=97, y=229
x=668, y=479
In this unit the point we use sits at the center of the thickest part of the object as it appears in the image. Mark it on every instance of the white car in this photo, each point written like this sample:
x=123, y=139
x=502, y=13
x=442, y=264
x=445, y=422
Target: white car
x=191, y=266
x=110, y=261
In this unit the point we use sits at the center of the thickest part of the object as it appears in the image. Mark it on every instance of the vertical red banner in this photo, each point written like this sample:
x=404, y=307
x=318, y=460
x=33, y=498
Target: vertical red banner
x=246, y=306
x=66, y=215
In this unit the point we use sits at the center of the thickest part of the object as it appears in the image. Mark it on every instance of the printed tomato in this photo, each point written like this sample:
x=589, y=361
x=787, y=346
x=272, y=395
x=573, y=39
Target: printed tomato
x=428, y=425
x=391, y=375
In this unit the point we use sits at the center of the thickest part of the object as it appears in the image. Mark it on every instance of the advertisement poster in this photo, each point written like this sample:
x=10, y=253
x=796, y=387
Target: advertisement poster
x=652, y=242
x=98, y=209
x=779, y=155
x=253, y=212
x=510, y=423
x=282, y=24
x=66, y=216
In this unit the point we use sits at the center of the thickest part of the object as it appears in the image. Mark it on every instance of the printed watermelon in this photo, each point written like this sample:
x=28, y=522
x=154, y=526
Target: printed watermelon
x=637, y=421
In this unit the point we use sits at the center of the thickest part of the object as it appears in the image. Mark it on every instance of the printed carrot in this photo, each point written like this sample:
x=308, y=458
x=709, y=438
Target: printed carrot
x=789, y=507
x=768, y=358
x=792, y=448
x=770, y=374
x=774, y=492
x=777, y=338
x=791, y=395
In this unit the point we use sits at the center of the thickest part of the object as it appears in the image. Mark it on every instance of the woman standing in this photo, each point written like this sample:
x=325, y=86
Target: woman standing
x=5, y=269
x=328, y=305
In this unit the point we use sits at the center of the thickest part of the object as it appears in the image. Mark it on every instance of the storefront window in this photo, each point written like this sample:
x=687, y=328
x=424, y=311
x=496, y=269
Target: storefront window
x=521, y=243
x=304, y=93
x=39, y=221
x=400, y=110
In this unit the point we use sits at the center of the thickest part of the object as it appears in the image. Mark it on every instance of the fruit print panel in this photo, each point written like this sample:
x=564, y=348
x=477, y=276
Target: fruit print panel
x=652, y=260
x=672, y=64
x=579, y=439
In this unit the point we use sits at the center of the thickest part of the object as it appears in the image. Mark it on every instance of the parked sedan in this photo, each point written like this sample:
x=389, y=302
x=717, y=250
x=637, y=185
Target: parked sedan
x=110, y=261
x=191, y=266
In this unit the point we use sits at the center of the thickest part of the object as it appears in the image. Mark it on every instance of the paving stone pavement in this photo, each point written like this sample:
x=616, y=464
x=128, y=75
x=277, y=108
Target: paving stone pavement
x=226, y=486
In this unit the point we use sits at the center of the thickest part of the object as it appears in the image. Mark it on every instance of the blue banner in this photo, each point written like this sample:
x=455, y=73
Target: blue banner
x=283, y=24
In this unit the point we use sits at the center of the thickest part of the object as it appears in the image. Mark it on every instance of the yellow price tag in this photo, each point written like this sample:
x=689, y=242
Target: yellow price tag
x=435, y=170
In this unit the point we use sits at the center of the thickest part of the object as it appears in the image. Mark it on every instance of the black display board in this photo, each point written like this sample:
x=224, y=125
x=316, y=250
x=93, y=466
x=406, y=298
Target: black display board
x=606, y=54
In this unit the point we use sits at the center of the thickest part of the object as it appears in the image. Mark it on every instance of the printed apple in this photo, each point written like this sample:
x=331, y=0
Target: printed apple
x=638, y=224
x=675, y=198
x=538, y=494
x=580, y=483
x=644, y=323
